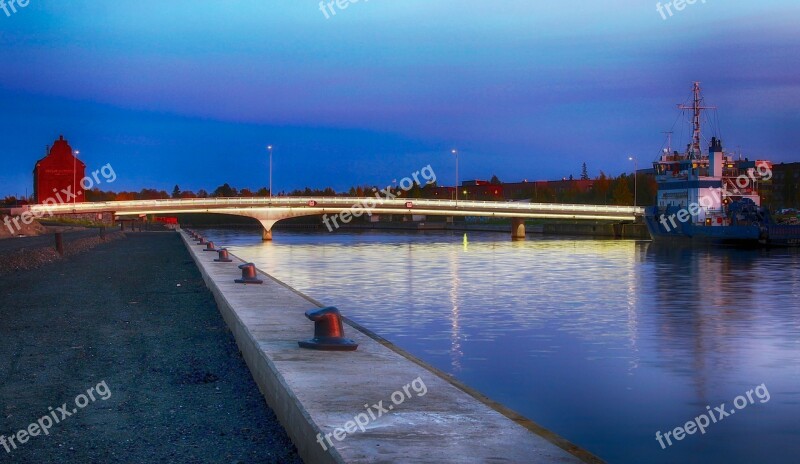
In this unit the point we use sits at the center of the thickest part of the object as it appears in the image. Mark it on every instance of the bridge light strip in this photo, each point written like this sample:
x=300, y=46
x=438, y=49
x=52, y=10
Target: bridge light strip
x=465, y=208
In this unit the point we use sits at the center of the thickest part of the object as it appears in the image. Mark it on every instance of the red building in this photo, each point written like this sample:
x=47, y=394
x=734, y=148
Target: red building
x=58, y=173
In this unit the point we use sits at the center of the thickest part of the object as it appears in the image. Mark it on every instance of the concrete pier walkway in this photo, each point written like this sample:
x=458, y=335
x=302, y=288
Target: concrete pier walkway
x=374, y=405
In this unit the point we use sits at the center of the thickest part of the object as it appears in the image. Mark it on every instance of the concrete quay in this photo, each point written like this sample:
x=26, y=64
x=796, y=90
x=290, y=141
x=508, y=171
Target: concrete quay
x=369, y=405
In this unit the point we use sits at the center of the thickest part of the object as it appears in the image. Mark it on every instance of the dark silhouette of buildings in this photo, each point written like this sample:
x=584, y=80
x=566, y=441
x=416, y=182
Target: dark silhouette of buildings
x=785, y=186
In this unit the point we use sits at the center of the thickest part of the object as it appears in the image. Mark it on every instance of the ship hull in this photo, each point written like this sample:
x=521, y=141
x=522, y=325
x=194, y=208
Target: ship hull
x=750, y=236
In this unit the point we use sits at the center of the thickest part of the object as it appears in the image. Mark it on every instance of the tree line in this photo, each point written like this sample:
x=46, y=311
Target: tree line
x=605, y=190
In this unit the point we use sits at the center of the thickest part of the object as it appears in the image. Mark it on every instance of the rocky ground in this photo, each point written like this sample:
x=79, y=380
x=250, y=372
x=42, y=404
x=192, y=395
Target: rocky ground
x=29, y=230
x=132, y=320
x=20, y=254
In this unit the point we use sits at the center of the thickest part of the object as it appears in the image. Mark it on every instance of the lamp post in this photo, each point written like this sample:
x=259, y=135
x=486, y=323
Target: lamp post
x=455, y=152
x=269, y=149
x=75, y=176
x=635, y=176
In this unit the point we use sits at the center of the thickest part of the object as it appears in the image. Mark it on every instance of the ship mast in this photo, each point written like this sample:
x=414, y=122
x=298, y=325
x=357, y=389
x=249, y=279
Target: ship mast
x=696, y=108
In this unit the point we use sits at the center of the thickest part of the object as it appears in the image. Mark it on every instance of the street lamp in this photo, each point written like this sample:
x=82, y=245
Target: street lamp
x=269, y=148
x=635, y=176
x=455, y=152
x=75, y=176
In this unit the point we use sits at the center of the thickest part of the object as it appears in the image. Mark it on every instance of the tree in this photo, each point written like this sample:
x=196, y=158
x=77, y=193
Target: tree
x=176, y=192
x=584, y=172
x=622, y=194
x=224, y=190
x=601, y=188
x=495, y=180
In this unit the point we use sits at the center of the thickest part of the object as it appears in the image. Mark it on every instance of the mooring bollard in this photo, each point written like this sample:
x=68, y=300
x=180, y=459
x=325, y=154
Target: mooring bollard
x=60, y=243
x=209, y=247
x=328, y=331
x=223, y=256
x=248, y=275
x=201, y=241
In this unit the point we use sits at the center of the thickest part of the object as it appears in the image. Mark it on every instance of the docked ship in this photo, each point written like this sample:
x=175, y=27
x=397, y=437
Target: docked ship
x=711, y=197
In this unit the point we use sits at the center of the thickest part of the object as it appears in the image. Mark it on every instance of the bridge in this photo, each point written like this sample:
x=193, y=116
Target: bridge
x=269, y=211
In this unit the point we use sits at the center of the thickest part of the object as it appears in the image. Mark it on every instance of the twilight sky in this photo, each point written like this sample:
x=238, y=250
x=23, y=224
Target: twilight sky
x=190, y=92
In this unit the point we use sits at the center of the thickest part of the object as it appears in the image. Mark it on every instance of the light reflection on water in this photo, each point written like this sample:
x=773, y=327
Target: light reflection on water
x=603, y=342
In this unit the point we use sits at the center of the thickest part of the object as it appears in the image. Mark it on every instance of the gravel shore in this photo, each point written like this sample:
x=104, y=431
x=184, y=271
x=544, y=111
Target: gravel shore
x=133, y=315
x=23, y=254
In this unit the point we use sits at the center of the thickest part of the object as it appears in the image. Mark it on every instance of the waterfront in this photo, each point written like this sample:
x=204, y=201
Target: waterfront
x=604, y=342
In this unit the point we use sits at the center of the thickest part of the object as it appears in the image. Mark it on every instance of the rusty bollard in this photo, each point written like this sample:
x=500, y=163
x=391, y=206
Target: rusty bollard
x=223, y=256
x=248, y=275
x=201, y=241
x=60, y=243
x=328, y=331
x=209, y=247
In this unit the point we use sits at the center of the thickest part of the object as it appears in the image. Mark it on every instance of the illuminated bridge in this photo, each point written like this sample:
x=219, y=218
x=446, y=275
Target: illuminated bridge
x=268, y=211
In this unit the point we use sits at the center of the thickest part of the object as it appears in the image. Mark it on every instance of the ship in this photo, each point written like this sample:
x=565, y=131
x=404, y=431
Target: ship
x=712, y=197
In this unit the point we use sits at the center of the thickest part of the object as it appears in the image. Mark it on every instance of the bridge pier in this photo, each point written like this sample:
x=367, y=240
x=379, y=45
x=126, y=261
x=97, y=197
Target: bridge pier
x=266, y=233
x=517, y=228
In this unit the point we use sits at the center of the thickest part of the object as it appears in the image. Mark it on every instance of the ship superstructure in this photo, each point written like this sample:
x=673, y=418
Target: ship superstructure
x=712, y=196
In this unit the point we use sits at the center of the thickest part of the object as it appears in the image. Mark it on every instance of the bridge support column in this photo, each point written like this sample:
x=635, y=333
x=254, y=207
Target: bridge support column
x=517, y=229
x=266, y=233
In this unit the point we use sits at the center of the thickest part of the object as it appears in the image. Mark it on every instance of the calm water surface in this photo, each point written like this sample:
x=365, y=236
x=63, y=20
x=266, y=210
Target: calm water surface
x=603, y=342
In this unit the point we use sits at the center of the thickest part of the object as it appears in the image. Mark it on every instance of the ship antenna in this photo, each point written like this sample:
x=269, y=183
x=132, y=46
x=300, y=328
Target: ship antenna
x=696, y=109
x=669, y=140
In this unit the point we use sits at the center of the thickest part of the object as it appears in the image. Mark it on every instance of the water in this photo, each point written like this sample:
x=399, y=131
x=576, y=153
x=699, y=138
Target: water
x=603, y=342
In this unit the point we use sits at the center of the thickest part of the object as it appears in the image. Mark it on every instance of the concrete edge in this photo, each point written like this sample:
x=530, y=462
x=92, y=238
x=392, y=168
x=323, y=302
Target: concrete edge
x=279, y=396
x=552, y=437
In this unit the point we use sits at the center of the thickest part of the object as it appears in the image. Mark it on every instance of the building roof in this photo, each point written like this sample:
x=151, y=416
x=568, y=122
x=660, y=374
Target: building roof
x=60, y=149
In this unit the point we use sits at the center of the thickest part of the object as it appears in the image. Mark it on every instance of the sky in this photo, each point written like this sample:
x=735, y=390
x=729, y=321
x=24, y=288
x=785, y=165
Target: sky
x=191, y=92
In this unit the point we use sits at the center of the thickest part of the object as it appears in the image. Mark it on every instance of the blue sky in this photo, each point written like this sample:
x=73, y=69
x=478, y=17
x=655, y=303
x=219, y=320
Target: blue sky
x=190, y=92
